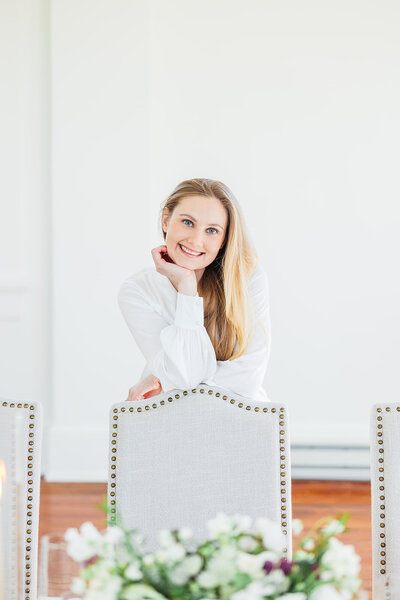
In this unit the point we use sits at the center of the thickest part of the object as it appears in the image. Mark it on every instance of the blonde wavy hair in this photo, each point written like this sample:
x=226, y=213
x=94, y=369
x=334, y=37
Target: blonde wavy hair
x=224, y=283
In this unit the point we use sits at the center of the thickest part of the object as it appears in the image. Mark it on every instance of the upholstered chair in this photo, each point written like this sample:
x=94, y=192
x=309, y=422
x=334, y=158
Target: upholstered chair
x=20, y=452
x=181, y=457
x=385, y=499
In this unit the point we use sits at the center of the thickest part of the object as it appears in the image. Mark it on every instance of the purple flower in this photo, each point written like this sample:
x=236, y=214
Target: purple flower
x=315, y=567
x=268, y=566
x=90, y=561
x=286, y=566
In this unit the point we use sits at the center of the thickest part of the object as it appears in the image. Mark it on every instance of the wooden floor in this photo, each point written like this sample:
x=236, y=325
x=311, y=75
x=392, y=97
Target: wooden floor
x=66, y=505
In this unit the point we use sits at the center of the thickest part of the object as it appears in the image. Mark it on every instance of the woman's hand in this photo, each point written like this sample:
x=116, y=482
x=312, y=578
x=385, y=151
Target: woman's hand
x=147, y=388
x=184, y=280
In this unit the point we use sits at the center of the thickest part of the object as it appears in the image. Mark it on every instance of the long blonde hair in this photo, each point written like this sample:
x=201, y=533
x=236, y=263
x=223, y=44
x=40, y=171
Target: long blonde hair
x=224, y=283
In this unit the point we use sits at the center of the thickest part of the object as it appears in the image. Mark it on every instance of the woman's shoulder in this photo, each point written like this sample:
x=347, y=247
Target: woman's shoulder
x=258, y=280
x=141, y=282
x=146, y=286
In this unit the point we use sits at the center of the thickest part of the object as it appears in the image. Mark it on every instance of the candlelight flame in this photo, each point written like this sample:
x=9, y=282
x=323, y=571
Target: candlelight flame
x=2, y=476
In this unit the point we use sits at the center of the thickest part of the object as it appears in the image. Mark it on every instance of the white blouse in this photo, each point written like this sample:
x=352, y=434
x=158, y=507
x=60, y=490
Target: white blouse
x=169, y=329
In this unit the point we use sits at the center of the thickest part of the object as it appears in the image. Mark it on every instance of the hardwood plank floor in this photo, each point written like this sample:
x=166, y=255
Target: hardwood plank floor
x=64, y=505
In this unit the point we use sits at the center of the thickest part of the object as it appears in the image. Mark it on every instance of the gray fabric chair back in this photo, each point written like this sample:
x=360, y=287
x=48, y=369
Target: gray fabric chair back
x=20, y=456
x=179, y=458
x=385, y=499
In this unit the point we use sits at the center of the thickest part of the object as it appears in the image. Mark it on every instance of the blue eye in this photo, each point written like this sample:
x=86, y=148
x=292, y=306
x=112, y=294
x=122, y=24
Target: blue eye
x=213, y=229
x=186, y=221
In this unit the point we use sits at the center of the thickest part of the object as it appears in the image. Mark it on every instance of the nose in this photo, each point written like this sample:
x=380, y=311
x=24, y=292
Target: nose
x=195, y=240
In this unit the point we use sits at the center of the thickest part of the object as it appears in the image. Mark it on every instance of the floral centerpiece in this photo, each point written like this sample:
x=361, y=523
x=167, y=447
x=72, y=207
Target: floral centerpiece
x=239, y=560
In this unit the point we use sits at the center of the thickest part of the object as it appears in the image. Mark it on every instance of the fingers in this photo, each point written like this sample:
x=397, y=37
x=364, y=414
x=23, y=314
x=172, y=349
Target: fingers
x=134, y=395
x=148, y=387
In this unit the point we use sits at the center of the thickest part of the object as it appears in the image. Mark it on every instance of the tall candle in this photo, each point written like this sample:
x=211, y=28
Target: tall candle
x=2, y=580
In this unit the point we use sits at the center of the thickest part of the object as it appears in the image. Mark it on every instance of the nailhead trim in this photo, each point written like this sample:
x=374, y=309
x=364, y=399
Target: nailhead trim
x=280, y=414
x=30, y=490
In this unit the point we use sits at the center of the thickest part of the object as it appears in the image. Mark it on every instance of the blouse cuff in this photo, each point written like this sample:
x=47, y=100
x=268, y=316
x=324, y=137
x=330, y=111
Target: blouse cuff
x=189, y=311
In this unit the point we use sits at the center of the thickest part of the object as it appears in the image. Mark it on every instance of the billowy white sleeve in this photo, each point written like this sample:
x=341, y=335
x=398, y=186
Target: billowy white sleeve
x=180, y=354
x=245, y=375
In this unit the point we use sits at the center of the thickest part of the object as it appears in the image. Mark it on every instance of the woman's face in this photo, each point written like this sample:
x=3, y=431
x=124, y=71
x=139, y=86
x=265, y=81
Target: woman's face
x=198, y=224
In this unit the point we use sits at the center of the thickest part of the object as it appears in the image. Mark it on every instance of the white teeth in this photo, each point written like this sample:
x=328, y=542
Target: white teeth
x=189, y=251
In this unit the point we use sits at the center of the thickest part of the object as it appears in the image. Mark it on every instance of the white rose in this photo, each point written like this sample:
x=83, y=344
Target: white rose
x=251, y=564
x=341, y=560
x=254, y=591
x=114, y=535
x=165, y=538
x=275, y=582
x=333, y=528
x=185, y=534
x=78, y=586
x=325, y=592
x=241, y=523
x=207, y=580
x=221, y=524
x=79, y=547
x=133, y=572
x=308, y=544
x=190, y=566
x=247, y=543
x=301, y=555
x=138, y=591
x=297, y=526
x=271, y=534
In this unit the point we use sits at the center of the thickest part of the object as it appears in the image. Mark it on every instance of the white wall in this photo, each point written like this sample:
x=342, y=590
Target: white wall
x=25, y=310
x=295, y=107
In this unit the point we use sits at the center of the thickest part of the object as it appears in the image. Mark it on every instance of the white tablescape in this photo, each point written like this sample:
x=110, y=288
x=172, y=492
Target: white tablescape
x=240, y=559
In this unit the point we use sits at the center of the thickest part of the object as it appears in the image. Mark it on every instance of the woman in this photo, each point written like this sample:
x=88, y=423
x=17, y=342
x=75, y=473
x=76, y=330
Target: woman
x=202, y=315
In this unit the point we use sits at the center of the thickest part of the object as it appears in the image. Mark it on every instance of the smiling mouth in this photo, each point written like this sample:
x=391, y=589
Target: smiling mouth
x=189, y=253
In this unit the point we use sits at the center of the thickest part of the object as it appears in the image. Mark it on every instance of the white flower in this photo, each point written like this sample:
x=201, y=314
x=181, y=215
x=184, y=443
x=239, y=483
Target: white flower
x=254, y=591
x=185, y=534
x=148, y=559
x=189, y=566
x=297, y=526
x=221, y=524
x=275, y=582
x=165, y=538
x=326, y=592
x=84, y=544
x=340, y=560
x=103, y=585
x=220, y=570
x=171, y=554
x=252, y=564
x=138, y=591
x=241, y=523
x=247, y=543
x=301, y=555
x=293, y=596
x=333, y=528
x=271, y=534
x=78, y=586
x=133, y=572
x=114, y=535
x=308, y=544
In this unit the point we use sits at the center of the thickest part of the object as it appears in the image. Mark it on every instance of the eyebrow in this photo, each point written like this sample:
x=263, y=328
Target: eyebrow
x=193, y=219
